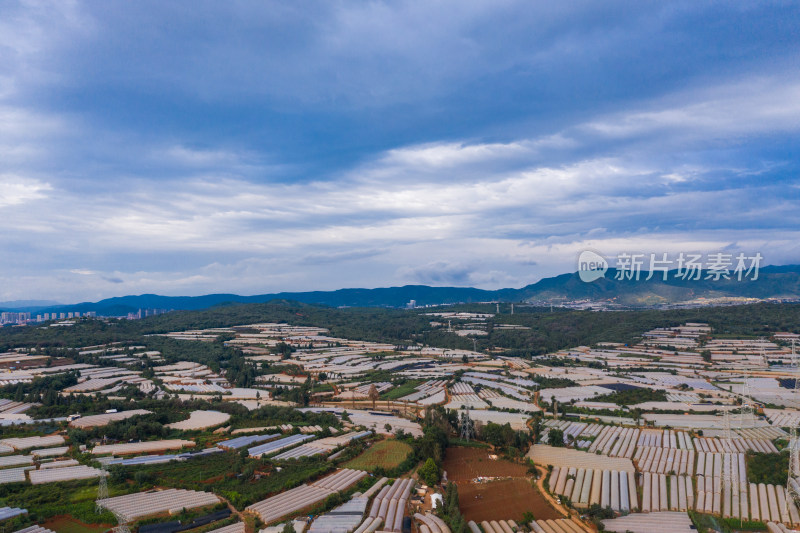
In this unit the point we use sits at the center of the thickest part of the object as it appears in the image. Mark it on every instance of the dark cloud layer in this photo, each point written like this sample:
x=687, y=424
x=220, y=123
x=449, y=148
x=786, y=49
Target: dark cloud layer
x=200, y=147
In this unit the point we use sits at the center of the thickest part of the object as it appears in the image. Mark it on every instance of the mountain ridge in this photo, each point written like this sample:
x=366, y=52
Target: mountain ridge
x=773, y=282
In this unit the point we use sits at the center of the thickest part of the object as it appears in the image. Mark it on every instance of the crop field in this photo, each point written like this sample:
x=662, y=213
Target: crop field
x=500, y=499
x=503, y=500
x=465, y=464
x=219, y=471
x=65, y=524
x=386, y=454
x=403, y=390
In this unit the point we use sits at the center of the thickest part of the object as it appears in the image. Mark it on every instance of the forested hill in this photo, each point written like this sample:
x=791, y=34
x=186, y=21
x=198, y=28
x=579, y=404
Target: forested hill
x=772, y=282
x=544, y=330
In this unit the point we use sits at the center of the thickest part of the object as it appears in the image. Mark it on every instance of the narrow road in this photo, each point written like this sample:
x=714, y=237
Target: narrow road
x=557, y=506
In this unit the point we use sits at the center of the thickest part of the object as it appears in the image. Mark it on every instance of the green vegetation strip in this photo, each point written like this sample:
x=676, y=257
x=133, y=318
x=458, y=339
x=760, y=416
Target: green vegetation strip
x=386, y=454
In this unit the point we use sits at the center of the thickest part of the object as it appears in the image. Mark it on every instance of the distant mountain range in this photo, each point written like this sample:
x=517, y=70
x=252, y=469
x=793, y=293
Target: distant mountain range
x=28, y=304
x=781, y=282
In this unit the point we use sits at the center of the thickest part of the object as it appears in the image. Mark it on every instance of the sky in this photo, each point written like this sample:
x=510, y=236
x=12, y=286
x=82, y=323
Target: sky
x=186, y=148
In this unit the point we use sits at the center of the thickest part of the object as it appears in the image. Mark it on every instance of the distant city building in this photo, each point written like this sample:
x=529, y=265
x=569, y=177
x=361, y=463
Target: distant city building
x=143, y=313
x=9, y=317
x=411, y=304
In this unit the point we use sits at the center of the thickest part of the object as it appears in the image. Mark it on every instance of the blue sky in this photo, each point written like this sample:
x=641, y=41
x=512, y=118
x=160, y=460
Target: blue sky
x=255, y=147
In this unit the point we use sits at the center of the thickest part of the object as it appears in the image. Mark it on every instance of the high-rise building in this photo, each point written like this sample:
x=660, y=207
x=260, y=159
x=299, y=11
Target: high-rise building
x=10, y=317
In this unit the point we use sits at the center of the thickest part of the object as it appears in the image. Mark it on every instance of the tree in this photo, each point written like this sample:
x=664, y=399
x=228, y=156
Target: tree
x=143, y=478
x=429, y=472
x=433, y=443
x=450, y=510
x=451, y=499
x=77, y=436
x=288, y=527
x=555, y=437
x=498, y=435
x=536, y=426
x=373, y=394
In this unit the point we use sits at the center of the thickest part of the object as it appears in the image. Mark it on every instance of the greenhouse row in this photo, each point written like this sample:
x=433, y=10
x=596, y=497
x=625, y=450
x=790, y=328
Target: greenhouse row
x=304, y=496
x=586, y=487
x=139, y=504
x=390, y=504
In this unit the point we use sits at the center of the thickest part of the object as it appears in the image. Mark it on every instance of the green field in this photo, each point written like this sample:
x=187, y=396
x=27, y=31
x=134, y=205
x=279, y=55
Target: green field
x=232, y=476
x=402, y=390
x=386, y=454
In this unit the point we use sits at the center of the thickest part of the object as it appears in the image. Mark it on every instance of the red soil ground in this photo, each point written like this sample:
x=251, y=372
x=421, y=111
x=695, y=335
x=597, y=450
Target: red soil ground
x=494, y=500
x=503, y=500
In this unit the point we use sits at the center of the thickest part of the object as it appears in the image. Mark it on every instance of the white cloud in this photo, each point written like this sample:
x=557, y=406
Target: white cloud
x=756, y=106
x=31, y=34
x=15, y=190
x=500, y=196
x=451, y=154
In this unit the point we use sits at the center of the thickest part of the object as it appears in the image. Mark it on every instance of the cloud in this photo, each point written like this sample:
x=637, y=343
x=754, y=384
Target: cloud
x=437, y=273
x=341, y=256
x=16, y=190
x=753, y=106
x=257, y=149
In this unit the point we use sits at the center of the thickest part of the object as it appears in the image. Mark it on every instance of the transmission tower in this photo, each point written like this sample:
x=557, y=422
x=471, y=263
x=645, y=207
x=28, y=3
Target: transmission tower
x=102, y=491
x=466, y=427
x=792, y=483
x=122, y=522
x=727, y=479
x=746, y=413
x=726, y=423
x=762, y=356
x=102, y=495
